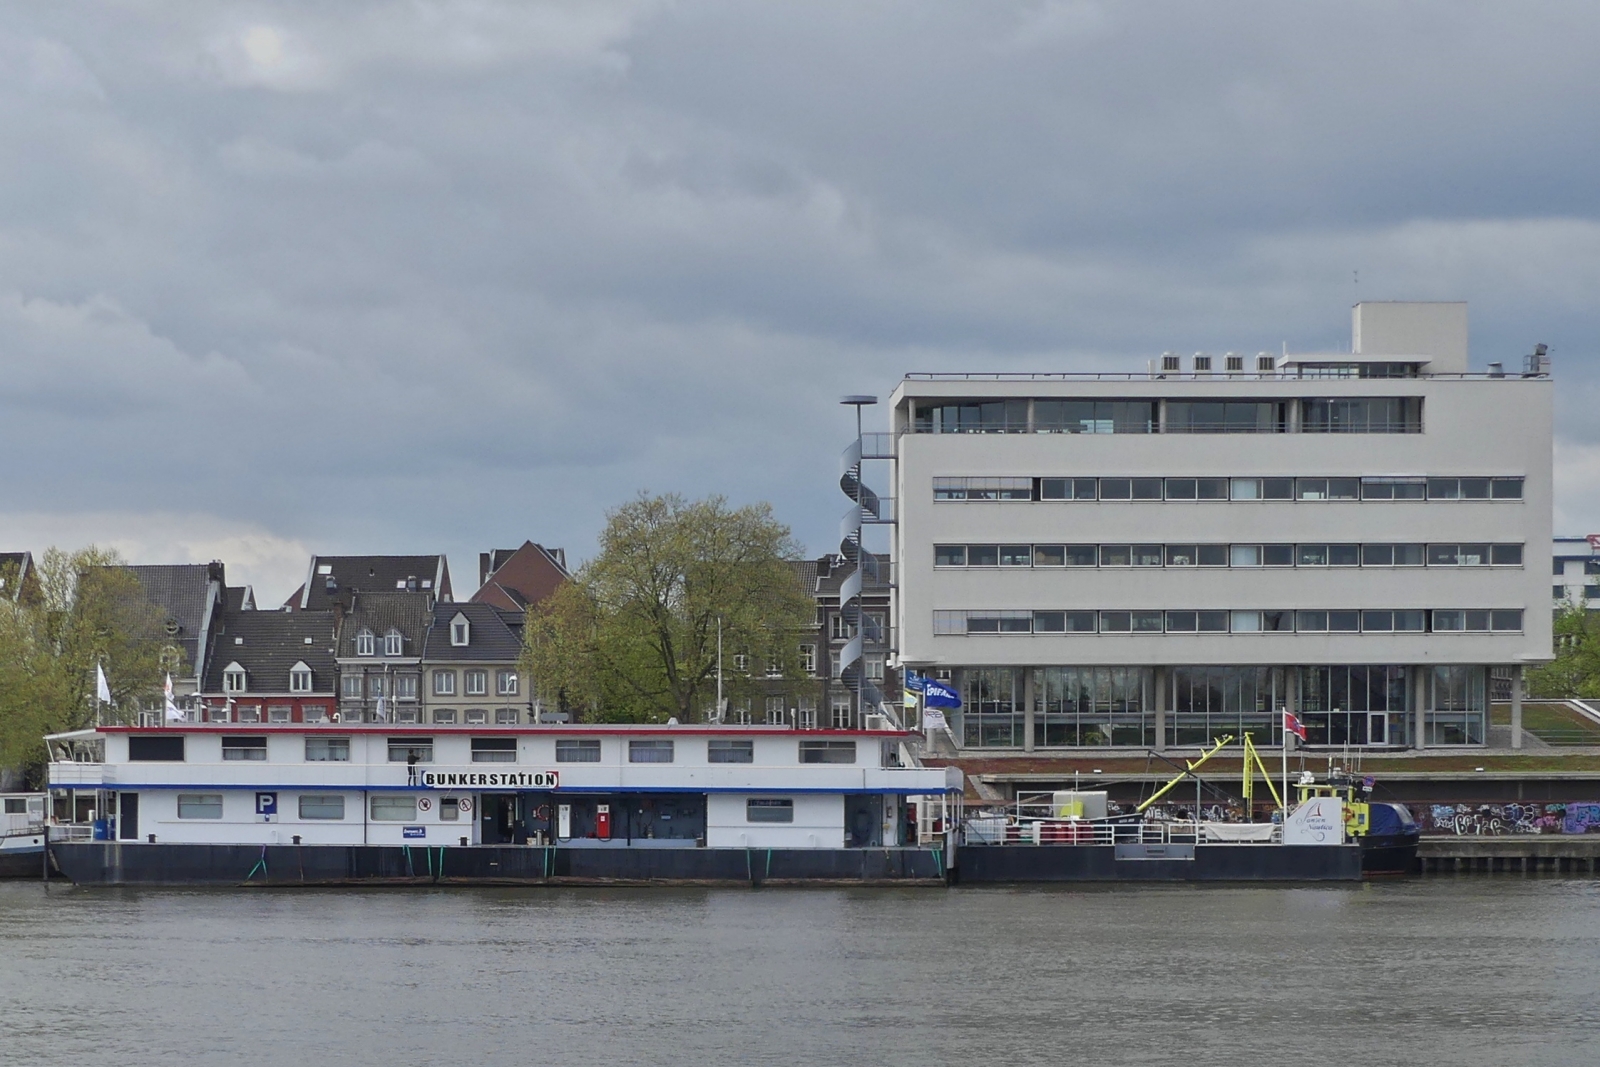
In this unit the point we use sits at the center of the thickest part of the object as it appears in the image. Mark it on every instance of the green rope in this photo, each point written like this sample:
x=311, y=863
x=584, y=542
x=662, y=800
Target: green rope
x=938, y=860
x=261, y=865
x=750, y=875
x=411, y=870
x=769, y=865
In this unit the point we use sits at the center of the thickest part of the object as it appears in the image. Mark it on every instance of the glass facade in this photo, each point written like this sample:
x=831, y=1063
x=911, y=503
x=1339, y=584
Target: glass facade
x=1355, y=705
x=1212, y=702
x=1458, y=705
x=1344, y=704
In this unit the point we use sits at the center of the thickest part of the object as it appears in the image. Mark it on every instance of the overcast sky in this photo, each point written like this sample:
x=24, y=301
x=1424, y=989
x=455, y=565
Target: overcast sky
x=282, y=278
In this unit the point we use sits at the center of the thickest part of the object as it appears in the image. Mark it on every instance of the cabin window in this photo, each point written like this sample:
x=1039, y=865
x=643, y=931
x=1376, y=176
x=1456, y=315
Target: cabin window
x=199, y=805
x=321, y=806
x=244, y=747
x=156, y=749
x=16, y=805
x=827, y=752
x=730, y=752
x=494, y=750
x=450, y=809
x=650, y=751
x=769, y=809
x=327, y=750
x=401, y=807
x=578, y=751
x=410, y=750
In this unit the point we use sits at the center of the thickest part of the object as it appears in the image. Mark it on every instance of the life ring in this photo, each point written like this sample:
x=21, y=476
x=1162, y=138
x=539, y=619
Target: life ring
x=424, y=804
x=542, y=811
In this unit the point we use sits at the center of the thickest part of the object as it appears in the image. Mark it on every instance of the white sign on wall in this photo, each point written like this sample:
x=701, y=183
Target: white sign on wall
x=1319, y=821
x=429, y=778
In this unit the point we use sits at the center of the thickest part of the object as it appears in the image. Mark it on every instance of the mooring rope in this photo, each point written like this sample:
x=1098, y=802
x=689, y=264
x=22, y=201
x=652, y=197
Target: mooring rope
x=261, y=865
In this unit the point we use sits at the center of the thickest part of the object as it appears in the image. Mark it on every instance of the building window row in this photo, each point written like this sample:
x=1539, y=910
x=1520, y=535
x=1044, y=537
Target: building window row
x=1358, y=414
x=1225, y=489
x=1265, y=555
x=1248, y=621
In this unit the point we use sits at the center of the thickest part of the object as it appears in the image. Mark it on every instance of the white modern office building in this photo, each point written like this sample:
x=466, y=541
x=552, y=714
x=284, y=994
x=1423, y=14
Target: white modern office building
x=1576, y=572
x=1161, y=557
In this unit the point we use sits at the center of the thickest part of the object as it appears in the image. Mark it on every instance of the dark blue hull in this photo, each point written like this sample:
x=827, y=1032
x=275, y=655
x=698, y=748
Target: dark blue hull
x=132, y=863
x=1189, y=863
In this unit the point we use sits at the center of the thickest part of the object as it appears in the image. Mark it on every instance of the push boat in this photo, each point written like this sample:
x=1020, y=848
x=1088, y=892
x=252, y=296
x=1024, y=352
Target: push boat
x=1333, y=832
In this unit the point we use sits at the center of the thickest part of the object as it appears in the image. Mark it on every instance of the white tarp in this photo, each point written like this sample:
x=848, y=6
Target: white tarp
x=1238, y=831
x=1319, y=821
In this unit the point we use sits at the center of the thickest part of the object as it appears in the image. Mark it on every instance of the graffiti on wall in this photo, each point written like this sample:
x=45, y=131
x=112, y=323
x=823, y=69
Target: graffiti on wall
x=1492, y=820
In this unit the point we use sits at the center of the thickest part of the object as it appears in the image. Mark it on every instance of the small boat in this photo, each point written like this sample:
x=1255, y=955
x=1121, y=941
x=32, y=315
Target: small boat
x=22, y=830
x=1334, y=833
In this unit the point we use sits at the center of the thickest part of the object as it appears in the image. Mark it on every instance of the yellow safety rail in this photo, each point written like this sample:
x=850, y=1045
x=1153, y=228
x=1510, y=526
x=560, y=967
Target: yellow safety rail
x=1192, y=767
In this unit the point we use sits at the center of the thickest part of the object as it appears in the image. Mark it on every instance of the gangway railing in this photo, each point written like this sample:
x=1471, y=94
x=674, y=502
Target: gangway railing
x=1003, y=830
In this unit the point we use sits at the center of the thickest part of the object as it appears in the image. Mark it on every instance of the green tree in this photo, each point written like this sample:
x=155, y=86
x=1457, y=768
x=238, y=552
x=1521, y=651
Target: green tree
x=1575, y=672
x=90, y=611
x=633, y=638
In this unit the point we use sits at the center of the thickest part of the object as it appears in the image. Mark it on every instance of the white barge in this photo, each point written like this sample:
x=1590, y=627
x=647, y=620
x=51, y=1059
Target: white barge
x=321, y=803
x=22, y=829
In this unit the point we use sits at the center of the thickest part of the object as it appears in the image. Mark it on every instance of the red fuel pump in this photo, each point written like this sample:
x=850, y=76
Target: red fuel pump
x=602, y=821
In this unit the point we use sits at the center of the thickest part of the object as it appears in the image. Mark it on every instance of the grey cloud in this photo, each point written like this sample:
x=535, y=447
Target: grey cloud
x=440, y=275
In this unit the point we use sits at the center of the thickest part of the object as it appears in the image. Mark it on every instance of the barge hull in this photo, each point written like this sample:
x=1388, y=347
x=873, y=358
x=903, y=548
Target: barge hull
x=118, y=863
x=1111, y=863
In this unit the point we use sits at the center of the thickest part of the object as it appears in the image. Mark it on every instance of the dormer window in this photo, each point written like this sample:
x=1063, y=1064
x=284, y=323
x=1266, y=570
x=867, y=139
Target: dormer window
x=393, y=643
x=364, y=643
x=233, y=678
x=300, y=678
x=460, y=631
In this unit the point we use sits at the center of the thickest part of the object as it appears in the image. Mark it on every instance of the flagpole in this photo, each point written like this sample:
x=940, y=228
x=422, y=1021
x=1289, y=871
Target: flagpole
x=1284, y=723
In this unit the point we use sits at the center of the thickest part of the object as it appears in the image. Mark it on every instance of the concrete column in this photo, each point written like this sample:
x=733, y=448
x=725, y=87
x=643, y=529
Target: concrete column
x=1160, y=677
x=1418, y=699
x=1516, y=706
x=1027, y=704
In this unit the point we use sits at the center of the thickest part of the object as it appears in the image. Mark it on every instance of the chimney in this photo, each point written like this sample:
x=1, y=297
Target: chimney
x=330, y=585
x=411, y=583
x=485, y=568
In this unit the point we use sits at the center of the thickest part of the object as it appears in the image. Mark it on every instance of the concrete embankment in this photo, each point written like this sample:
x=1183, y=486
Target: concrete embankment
x=1512, y=853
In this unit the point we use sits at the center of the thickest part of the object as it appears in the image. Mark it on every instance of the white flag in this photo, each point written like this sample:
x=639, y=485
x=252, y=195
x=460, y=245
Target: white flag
x=173, y=714
x=102, y=688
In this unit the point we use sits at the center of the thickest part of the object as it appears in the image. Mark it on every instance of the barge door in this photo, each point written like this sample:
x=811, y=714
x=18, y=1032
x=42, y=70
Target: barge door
x=498, y=822
x=128, y=816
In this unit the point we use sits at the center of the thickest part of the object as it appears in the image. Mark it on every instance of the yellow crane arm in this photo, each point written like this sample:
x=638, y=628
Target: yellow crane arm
x=1192, y=767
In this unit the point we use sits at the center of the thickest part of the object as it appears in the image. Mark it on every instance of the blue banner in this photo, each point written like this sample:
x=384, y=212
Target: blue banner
x=914, y=682
x=938, y=695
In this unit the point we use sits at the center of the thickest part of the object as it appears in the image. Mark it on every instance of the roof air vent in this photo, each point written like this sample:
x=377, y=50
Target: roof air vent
x=1202, y=363
x=1169, y=362
x=1234, y=363
x=1265, y=364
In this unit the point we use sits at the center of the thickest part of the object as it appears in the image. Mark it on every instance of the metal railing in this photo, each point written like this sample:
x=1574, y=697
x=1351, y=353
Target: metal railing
x=1188, y=376
x=999, y=830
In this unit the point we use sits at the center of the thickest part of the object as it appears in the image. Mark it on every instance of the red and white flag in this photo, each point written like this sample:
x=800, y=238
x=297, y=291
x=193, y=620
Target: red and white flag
x=1293, y=725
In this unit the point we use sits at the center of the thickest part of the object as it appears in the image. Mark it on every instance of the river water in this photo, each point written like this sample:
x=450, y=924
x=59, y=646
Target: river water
x=1485, y=970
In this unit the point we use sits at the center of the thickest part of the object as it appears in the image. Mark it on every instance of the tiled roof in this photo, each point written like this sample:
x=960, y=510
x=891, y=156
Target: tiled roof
x=490, y=639
x=239, y=598
x=183, y=592
x=14, y=568
x=516, y=578
x=380, y=612
x=829, y=571
x=370, y=574
x=267, y=644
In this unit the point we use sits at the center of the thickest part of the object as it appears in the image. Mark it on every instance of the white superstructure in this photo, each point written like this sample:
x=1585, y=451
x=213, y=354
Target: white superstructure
x=1158, y=558
x=579, y=786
